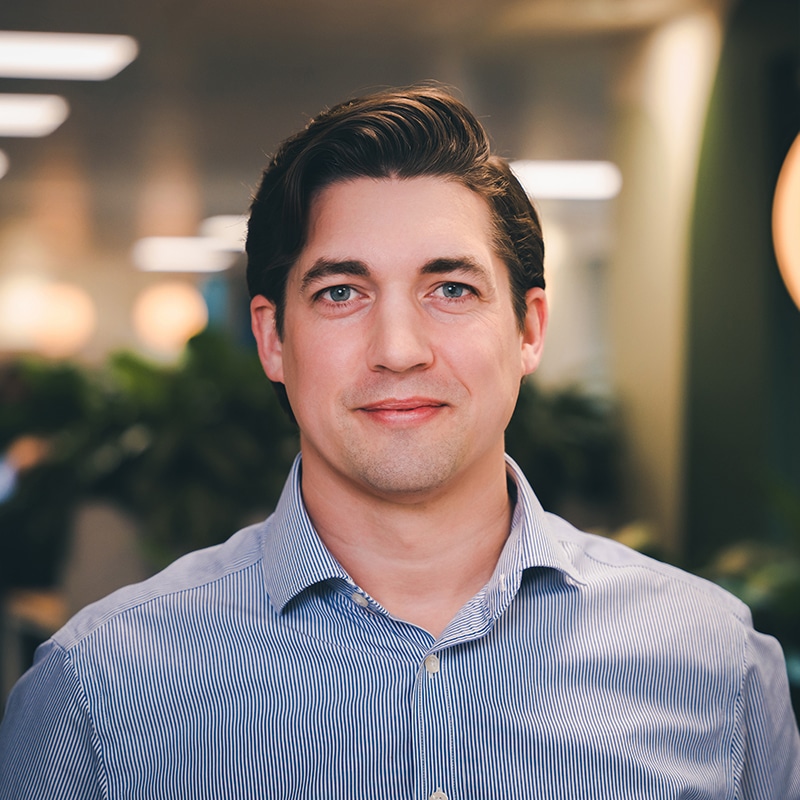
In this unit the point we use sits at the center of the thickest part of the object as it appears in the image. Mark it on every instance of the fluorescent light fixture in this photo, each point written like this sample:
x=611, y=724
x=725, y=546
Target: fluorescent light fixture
x=230, y=230
x=31, y=114
x=3, y=163
x=181, y=254
x=68, y=56
x=568, y=180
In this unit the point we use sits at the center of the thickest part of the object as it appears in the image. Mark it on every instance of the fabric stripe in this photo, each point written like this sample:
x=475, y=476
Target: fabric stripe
x=259, y=669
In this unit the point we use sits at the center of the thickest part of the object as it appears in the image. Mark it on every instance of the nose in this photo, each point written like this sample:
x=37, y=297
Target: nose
x=399, y=337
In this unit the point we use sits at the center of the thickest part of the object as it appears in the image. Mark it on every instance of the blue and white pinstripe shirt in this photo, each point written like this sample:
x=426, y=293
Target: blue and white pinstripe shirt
x=257, y=669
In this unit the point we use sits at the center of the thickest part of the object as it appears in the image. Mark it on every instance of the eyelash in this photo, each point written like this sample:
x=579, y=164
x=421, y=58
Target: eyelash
x=325, y=294
x=468, y=290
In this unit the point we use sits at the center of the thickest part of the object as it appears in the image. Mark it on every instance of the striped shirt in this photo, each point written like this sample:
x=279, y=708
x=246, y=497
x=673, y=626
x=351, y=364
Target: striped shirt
x=258, y=669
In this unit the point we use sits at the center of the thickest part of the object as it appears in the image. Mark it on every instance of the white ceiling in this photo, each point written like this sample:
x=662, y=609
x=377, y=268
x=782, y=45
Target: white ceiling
x=183, y=132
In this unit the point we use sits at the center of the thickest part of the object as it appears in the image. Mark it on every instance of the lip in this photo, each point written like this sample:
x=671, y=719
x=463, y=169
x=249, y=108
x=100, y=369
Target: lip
x=403, y=411
x=403, y=404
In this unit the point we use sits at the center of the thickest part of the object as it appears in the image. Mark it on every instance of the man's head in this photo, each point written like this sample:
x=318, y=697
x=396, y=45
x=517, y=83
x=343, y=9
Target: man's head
x=408, y=133
x=396, y=274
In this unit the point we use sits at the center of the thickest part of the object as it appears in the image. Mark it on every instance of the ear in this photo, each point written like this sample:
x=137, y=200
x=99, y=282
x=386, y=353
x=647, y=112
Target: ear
x=270, y=347
x=535, y=327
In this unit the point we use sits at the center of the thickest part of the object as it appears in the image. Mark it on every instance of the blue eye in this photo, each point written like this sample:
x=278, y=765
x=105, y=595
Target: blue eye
x=339, y=294
x=453, y=290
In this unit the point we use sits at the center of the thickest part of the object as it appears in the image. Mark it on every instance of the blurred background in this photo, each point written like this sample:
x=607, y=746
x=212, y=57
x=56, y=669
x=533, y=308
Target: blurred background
x=134, y=418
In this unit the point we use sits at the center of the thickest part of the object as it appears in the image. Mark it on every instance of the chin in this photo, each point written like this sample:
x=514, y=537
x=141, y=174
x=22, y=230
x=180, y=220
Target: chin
x=411, y=472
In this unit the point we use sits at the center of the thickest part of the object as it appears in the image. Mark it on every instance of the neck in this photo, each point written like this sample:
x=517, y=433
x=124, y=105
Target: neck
x=421, y=558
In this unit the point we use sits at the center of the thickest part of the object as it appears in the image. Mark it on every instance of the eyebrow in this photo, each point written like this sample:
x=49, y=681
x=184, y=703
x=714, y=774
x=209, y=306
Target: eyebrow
x=463, y=264
x=327, y=268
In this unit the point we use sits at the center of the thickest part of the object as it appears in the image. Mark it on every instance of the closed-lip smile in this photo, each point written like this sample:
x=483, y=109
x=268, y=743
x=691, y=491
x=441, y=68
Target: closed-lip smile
x=404, y=404
x=403, y=410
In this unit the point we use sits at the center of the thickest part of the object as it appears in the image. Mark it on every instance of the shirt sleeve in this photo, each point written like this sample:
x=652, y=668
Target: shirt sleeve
x=48, y=747
x=768, y=735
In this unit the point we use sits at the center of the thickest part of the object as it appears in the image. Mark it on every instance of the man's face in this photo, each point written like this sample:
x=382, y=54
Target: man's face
x=401, y=354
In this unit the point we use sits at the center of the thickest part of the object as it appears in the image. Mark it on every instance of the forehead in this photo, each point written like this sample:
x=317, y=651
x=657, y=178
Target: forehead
x=400, y=220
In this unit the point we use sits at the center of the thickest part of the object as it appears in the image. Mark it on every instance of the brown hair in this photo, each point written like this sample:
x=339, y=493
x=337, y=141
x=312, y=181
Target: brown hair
x=404, y=133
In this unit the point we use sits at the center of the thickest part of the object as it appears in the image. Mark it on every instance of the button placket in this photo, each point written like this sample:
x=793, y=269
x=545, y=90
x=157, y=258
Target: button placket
x=435, y=735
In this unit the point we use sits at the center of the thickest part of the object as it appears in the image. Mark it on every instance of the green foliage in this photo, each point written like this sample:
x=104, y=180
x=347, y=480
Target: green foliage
x=568, y=444
x=43, y=399
x=766, y=576
x=195, y=451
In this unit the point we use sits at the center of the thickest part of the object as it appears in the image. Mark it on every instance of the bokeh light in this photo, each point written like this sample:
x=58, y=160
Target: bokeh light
x=53, y=318
x=166, y=315
x=786, y=221
x=68, y=321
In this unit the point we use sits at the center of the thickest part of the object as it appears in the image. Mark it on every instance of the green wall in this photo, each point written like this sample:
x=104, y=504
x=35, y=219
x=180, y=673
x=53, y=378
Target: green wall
x=743, y=395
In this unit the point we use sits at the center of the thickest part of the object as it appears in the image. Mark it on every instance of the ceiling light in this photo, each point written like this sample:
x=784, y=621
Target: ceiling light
x=3, y=163
x=31, y=114
x=568, y=180
x=181, y=254
x=69, y=56
x=230, y=230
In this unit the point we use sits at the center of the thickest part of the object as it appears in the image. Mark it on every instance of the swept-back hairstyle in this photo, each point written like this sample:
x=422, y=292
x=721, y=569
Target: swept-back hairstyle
x=404, y=133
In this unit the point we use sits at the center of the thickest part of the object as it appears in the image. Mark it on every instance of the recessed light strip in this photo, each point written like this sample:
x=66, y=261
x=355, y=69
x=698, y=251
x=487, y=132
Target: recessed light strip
x=568, y=180
x=66, y=56
x=182, y=254
x=31, y=114
x=230, y=230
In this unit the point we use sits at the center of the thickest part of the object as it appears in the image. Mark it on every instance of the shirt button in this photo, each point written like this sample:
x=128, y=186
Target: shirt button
x=359, y=599
x=432, y=666
x=438, y=795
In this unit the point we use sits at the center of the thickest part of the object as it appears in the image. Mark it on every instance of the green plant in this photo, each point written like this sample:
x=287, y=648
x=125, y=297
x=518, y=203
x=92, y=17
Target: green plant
x=196, y=450
x=43, y=399
x=766, y=576
x=192, y=451
x=569, y=445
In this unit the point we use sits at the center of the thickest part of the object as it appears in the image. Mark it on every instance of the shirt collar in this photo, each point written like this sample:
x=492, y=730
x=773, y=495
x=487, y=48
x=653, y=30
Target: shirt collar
x=530, y=542
x=295, y=557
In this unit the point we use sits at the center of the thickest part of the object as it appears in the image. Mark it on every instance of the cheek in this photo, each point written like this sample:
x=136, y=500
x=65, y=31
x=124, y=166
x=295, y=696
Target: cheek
x=493, y=348
x=315, y=365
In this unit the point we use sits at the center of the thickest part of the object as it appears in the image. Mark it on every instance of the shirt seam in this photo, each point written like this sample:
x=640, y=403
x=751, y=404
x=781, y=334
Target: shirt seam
x=77, y=639
x=738, y=719
x=102, y=776
x=738, y=609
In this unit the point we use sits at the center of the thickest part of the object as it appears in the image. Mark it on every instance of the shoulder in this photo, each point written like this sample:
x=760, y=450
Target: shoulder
x=218, y=569
x=634, y=614
x=612, y=578
x=607, y=565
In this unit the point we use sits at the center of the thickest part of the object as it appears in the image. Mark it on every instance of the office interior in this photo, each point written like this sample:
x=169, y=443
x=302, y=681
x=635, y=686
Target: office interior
x=666, y=412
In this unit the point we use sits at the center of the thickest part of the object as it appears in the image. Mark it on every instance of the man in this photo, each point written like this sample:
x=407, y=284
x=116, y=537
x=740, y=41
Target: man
x=409, y=623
